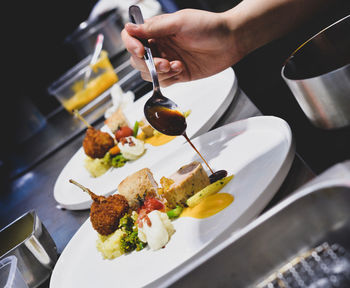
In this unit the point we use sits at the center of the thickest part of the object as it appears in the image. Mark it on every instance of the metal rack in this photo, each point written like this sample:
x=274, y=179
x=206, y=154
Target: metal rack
x=323, y=266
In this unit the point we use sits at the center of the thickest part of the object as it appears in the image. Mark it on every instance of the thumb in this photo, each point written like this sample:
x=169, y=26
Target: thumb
x=155, y=27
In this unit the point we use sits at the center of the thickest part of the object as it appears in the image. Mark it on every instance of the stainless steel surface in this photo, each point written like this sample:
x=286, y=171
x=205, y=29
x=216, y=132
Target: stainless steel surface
x=316, y=213
x=33, y=247
x=318, y=74
x=109, y=24
x=323, y=266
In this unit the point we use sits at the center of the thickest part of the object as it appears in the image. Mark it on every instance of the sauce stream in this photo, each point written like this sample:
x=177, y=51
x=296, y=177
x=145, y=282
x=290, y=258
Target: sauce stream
x=173, y=123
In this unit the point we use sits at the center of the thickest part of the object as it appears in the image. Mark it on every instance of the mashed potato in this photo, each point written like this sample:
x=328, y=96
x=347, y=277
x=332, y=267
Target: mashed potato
x=96, y=167
x=109, y=245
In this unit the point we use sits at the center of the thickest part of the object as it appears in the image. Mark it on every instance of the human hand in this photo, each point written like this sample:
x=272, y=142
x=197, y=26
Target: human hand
x=190, y=44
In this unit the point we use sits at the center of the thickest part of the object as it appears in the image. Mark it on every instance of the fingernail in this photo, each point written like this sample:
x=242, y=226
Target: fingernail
x=131, y=25
x=163, y=67
x=175, y=67
x=136, y=51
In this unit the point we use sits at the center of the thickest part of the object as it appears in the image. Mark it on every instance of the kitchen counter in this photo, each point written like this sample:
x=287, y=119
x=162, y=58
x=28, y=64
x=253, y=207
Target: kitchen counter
x=34, y=189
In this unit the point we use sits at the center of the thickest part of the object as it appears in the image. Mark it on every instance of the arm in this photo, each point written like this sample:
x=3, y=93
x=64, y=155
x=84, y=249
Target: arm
x=257, y=22
x=193, y=44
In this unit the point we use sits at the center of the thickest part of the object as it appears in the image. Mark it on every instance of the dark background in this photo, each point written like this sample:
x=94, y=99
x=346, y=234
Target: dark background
x=35, y=55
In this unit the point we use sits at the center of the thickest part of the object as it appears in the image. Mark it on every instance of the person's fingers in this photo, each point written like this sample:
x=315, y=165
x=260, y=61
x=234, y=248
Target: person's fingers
x=176, y=69
x=161, y=76
x=162, y=65
x=157, y=26
x=133, y=45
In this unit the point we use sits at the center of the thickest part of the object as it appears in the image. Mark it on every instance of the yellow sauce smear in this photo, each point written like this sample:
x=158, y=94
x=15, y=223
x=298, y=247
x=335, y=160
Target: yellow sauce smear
x=93, y=89
x=159, y=139
x=209, y=206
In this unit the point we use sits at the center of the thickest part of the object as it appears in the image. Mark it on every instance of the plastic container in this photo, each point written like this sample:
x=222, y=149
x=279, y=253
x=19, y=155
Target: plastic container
x=69, y=89
x=10, y=277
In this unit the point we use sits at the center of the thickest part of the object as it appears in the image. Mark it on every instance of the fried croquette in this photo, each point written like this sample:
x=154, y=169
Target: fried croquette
x=97, y=143
x=105, y=212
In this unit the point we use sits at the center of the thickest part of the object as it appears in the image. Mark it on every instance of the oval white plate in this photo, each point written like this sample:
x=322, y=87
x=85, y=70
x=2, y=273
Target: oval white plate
x=207, y=98
x=258, y=151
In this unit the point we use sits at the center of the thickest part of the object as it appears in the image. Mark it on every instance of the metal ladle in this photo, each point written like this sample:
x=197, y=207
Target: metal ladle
x=161, y=112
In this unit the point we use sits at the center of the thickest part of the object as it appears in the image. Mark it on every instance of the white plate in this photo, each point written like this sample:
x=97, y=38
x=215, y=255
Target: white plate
x=207, y=98
x=258, y=151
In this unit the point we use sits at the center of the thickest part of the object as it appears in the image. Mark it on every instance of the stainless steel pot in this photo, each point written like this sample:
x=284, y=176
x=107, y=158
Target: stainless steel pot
x=36, y=252
x=318, y=74
x=110, y=24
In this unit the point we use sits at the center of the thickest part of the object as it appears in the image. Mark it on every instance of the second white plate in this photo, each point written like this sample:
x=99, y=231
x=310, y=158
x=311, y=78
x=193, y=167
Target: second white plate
x=207, y=98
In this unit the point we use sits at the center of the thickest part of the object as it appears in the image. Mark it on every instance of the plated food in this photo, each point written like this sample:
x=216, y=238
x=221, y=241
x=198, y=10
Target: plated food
x=259, y=170
x=204, y=114
x=112, y=149
x=140, y=214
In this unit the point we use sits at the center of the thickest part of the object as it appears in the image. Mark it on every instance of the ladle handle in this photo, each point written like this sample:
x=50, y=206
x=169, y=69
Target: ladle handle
x=136, y=17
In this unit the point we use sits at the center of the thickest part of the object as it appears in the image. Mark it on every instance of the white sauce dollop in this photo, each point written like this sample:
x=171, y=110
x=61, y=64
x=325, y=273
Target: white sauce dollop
x=158, y=234
x=132, y=151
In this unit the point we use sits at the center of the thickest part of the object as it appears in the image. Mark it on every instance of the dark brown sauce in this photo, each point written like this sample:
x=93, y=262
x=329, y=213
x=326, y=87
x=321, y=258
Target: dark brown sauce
x=173, y=123
x=217, y=175
x=200, y=155
x=167, y=121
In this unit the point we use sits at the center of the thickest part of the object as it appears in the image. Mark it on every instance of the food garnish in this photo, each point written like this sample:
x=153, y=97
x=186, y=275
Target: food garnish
x=136, y=129
x=130, y=240
x=208, y=190
x=114, y=150
x=123, y=132
x=174, y=213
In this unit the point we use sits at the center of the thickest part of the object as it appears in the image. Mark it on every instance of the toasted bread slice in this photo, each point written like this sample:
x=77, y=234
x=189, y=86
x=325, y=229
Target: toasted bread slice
x=141, y=184
x=116, y=120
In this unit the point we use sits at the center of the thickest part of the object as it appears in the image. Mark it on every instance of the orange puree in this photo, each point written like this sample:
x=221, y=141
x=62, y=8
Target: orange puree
x=159, y=139
x=94, y=88
x=209, y=206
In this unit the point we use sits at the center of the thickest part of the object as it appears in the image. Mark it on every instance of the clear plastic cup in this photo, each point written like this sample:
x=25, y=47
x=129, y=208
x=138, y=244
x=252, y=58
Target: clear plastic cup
x=69, y=89
x=10, y=276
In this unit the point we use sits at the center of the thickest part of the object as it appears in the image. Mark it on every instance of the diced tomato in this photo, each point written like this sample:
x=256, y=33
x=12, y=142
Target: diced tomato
x=153, y=204
x=148, y=206
x=123, y=132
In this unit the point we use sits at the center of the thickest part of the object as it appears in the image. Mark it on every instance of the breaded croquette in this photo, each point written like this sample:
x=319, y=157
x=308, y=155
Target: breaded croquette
x=97, y=143
x=105, y=212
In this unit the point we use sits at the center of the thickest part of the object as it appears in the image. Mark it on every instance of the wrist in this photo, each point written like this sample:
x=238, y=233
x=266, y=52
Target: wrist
x=234, y=24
